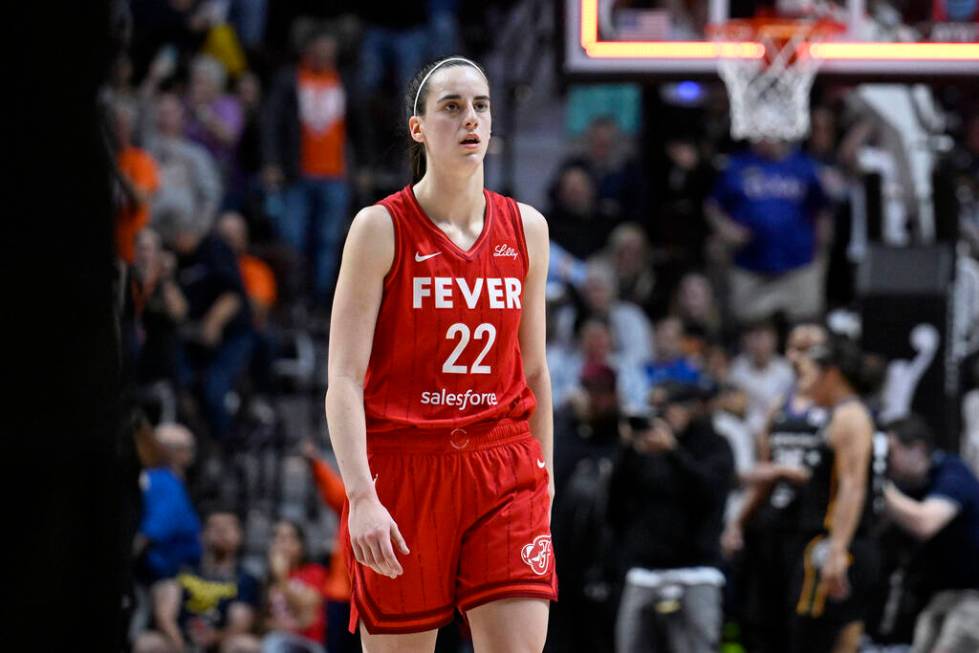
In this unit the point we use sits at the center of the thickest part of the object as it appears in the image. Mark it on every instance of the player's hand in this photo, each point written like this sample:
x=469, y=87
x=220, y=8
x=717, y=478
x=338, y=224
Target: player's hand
x=794, y=474
x=762, y=473
x=732, y=540
x=835, y=583
x=372, y=534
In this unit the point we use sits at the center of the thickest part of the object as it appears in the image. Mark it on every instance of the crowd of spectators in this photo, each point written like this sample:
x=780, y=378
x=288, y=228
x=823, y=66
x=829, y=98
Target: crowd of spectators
x=242, y=147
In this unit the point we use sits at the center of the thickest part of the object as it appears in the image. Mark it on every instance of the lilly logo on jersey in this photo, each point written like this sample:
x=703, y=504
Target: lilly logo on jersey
x=504, y=250
x=537, y=554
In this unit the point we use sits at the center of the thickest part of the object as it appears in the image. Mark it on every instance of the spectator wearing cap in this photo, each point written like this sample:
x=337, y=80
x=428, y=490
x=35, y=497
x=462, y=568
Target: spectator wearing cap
x=769, y=207
x=591, y=415
x=666, y=505
x=935, y=497
x=586, y=436
x=169, y=530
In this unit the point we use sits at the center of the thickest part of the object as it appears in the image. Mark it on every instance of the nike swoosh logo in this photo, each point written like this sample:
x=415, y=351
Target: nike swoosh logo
x=541, y=464
x=419, y=258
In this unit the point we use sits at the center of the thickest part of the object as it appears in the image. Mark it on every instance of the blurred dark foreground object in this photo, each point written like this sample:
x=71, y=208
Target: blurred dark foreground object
x=66, y=478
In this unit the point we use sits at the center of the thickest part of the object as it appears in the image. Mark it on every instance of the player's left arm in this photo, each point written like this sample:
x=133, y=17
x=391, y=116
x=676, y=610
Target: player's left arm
x=533, y=336
x=852, y=439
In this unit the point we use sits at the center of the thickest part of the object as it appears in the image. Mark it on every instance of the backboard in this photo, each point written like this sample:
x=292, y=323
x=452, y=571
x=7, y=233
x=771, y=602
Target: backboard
x=669, y=38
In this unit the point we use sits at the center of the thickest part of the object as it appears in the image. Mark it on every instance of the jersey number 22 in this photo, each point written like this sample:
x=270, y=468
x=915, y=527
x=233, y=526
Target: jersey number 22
x=484, y=330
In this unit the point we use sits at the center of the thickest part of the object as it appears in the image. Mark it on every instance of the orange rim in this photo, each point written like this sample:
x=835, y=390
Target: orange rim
x=778, y=29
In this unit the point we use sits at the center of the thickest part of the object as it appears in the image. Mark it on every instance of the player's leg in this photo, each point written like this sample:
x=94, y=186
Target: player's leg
x=506, y=573
x=423, y=642
x=509, y=626
x=389, y=611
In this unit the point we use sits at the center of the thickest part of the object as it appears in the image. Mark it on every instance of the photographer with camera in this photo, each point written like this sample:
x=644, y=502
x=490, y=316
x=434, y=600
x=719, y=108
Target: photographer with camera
x=666, y=505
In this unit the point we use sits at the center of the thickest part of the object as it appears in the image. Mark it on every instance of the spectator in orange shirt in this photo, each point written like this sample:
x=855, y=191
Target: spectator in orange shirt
x=337, y=589
x=138, y=181
x=259, y=280
x=304, y=140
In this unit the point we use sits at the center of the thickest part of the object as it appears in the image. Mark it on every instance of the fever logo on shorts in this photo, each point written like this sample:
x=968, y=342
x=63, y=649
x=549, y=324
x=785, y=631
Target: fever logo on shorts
x=537, y=554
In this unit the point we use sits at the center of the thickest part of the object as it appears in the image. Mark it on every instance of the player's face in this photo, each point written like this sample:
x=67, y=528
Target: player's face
x=456, y=124
x=801, y=340
x=820, y=387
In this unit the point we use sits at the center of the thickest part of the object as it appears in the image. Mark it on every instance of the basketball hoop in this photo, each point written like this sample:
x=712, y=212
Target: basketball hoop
x=769, y=93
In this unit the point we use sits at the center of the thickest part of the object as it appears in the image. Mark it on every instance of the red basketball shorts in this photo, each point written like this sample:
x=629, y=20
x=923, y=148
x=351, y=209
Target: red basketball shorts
x=475, y=513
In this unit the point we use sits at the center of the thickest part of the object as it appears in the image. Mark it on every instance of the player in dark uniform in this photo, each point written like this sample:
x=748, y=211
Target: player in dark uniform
x=838, y=562
x=767, y=523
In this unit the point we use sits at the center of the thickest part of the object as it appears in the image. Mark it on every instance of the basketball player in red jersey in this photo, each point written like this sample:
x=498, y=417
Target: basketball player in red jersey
x=439, y=400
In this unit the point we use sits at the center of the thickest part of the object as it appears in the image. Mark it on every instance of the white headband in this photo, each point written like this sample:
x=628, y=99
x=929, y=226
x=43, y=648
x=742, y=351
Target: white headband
x=434, y=68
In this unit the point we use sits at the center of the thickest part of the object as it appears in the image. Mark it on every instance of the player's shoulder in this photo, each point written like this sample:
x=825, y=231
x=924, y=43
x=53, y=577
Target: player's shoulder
x=371, y=236
x=533, y=220
x=852, y=415
x=373, y=220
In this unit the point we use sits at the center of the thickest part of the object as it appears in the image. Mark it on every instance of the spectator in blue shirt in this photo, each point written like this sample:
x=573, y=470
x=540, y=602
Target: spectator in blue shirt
x=769, y=207
x=936, y=499
x=169, y=530
x=671, y=363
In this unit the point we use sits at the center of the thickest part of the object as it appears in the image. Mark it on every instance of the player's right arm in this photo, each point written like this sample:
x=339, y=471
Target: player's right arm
x=367, y=257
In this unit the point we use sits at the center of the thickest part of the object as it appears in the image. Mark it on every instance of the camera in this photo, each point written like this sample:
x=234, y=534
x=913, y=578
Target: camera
x=639, y=422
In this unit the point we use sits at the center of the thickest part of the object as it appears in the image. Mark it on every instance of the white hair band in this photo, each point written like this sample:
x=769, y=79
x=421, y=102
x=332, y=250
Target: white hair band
x=434, y=68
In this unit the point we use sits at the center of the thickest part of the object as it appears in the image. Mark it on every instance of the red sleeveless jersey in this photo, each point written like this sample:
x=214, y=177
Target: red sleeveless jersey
x=446, y=350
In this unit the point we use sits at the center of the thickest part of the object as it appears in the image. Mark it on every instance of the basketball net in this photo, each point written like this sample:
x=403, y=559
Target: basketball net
x=769, y=94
